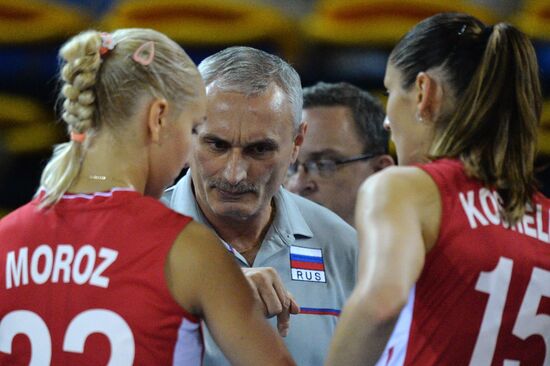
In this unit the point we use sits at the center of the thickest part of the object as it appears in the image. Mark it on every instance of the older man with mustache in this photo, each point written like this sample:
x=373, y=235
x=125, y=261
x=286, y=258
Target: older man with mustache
x=284, y=243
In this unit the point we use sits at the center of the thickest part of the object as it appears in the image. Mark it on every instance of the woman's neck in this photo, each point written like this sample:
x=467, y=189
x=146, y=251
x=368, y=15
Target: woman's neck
x=108, y=164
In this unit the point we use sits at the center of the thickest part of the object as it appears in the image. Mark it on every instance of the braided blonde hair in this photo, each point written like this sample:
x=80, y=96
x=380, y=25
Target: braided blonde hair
x=102, y=91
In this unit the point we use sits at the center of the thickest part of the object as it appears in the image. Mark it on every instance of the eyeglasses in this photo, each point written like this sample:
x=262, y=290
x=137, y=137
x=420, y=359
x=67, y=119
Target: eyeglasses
x=325, y=167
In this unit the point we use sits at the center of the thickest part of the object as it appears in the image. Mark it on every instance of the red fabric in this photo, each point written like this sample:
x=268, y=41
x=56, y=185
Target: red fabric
x=307, y=265
x=141, y=231
x=448, y=310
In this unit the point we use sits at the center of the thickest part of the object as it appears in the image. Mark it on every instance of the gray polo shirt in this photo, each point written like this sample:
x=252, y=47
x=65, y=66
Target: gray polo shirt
x=314, y=252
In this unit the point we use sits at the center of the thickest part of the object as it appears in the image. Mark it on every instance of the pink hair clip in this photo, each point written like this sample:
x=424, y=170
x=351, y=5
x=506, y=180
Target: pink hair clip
x=145, y=53
x=78, y=137
x=107, y=43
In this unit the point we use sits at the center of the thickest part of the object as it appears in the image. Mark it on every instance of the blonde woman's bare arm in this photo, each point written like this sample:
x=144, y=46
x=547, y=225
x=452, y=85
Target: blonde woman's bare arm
x=206, y=281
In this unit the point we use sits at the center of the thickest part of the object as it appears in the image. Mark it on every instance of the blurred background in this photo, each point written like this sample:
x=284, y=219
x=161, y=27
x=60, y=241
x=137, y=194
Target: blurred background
x=329, y=40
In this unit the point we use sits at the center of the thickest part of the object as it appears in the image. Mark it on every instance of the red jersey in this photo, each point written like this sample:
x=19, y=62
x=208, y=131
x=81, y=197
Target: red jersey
x=82, y=283
x=483, y=297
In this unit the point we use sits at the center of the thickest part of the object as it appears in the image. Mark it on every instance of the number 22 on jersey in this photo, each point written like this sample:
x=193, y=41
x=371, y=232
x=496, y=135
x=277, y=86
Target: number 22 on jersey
x=101, y=321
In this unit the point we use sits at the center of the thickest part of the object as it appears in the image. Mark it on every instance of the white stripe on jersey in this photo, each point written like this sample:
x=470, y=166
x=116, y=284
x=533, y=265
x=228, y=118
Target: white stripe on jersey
x=399, y=338
x=311, y=252
x=189, y=345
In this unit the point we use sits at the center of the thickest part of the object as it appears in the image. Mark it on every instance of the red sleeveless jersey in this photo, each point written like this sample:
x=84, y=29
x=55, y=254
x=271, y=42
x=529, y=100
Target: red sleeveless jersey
x=82, y=283
x=483, y=297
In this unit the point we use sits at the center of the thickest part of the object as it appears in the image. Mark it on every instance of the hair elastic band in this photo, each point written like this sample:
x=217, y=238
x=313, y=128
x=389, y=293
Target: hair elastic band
x=78, y=137
x=145, y=53
x=107, y=43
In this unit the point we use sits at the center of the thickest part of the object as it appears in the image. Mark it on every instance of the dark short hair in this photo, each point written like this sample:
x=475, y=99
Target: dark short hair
x=367, y=111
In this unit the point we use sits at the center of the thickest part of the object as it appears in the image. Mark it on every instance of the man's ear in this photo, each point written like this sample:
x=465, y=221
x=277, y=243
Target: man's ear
x=156, y=118
x=429, y=96
x=299, y=140
x=382, y=161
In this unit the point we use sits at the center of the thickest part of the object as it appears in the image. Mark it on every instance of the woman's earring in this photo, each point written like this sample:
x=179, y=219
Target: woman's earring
x=419, y=117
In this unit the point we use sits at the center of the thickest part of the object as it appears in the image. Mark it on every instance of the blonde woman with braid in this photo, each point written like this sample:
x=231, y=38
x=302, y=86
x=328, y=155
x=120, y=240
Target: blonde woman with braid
x=95, y=270
x=457, y=241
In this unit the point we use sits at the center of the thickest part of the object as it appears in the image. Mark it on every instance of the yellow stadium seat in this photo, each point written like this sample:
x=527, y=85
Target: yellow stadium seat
x=206, y=23
x=544, y=132
x=378, y=22
x=26, y=126
x=534, y=19
x=34, y=20
x=351, y=39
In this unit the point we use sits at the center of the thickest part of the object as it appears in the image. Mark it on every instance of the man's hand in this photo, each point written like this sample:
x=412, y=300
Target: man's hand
x=272, y=296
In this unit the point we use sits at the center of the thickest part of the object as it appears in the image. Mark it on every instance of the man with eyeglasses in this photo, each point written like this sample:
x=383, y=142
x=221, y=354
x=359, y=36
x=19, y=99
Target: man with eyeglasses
x=345, y=143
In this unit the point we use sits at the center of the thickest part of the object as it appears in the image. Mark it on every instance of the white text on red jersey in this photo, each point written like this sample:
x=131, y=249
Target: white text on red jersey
x=482, y=209
x=59, y=264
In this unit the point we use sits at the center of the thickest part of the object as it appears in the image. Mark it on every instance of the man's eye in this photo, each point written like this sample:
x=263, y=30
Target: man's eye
x=217, y=145
x=325, y=165
x=260, y=149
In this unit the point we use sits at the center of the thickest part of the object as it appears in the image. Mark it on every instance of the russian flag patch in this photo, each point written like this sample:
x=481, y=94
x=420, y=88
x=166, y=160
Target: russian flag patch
x=306, y=264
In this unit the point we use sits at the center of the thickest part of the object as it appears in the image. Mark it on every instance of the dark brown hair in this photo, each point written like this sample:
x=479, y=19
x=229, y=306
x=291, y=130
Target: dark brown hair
x=367, y=111
x=493, y=75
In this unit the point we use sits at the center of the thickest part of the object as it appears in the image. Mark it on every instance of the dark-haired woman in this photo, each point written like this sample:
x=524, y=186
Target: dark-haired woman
x=457, y=241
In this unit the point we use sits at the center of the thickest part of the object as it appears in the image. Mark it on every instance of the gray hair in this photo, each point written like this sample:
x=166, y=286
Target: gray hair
x=367, y=111
x=251, y=71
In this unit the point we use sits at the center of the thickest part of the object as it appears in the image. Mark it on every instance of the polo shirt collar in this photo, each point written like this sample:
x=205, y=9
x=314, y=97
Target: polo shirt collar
x=288, y=218
x=183, y=199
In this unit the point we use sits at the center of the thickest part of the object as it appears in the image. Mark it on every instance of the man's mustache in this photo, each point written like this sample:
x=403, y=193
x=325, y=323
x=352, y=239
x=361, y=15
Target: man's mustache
x=241, y=187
